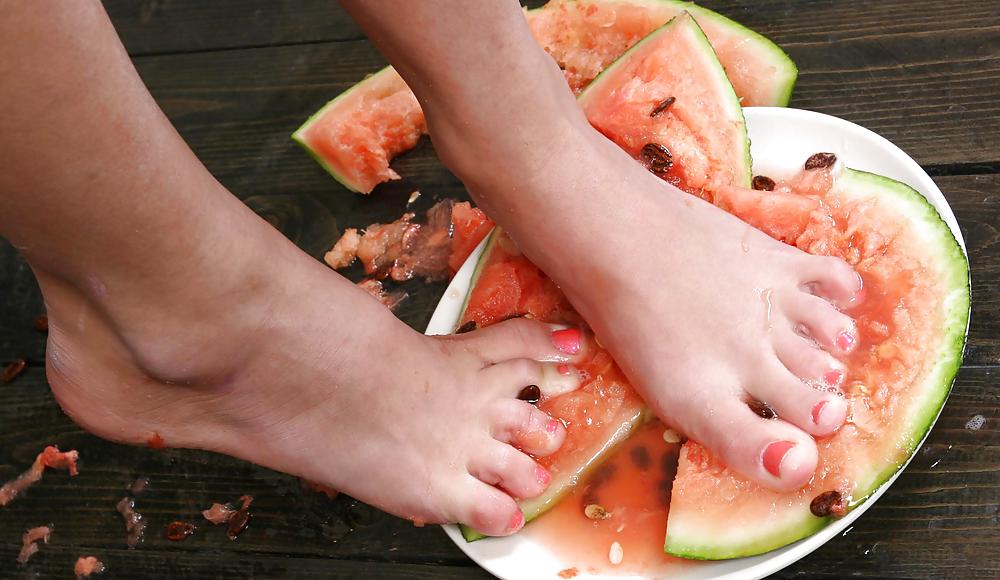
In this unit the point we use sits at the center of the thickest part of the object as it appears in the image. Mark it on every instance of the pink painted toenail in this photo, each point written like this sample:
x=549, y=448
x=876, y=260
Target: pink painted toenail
x=564, y=370
x=516, y=522
x=773, y=454
x=567, y=340
x=818, y=410
x=845, y=341
x=542, y=475
x=552, y=427
x=833, y=378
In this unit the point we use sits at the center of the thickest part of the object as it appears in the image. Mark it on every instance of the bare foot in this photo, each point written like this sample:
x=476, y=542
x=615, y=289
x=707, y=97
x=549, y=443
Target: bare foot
x=704, y=313
x=425, y=428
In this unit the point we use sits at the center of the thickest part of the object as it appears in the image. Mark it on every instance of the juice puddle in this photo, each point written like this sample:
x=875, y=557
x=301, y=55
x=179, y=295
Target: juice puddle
x=633, y=486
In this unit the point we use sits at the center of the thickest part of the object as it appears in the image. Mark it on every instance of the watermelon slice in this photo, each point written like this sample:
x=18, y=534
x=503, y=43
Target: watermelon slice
x=667, y=102
x=912, y=326
x=355, y=136
x=585, y=36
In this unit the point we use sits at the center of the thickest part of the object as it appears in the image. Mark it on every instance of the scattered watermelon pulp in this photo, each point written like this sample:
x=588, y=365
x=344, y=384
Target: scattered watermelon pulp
x=355, y=136
x=912, y=327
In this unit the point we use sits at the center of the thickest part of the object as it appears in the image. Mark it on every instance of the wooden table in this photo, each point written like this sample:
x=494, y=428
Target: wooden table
x=238, y=76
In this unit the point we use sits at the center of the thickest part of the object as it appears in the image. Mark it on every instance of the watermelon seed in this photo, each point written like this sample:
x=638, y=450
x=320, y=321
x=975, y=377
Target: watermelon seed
x=820, y=161
x=657, y=158
x=762, y=409
x=596, y=512
x=616, y=554
x=467, y=327
x=828, y=503
x=671, y=436
x=763, y=183
x=662, y=106
x=640, y=457
x=530, y=394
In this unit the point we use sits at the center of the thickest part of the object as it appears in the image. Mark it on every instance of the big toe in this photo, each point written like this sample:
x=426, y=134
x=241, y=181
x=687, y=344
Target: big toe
x=770, y=451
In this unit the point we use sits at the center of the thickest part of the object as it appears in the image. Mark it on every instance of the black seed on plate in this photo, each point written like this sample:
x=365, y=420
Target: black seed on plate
x=763, y=183
x=467, y=327
x=820, y=161
x=640, y=457
x=662, y=106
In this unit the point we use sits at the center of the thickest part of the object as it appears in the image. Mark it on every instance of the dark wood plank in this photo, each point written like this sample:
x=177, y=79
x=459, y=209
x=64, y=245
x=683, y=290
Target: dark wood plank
x=931, y=89
x=163, y=26
x=945, y=501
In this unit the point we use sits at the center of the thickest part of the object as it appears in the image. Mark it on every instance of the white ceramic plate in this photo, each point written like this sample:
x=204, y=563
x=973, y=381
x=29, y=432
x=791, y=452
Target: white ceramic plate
x=781, y=139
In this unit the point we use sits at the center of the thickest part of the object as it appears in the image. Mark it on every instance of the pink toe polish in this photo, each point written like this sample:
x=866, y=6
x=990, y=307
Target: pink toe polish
x=552, y=427
x=845, y=341
x=567, y=340
x=774, y=454
x=516, y=522
x=833, y=377
x=818, y=410
x=542, y=475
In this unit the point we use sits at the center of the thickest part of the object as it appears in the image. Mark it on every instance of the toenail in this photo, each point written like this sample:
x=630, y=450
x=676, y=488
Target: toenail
x=552, y=427
x=833, y=377
x=542, y=475
x=567, y=340
x=564, y=370
x=516, y=522
x=774, y=454
x=845, y=341
x=818, y=410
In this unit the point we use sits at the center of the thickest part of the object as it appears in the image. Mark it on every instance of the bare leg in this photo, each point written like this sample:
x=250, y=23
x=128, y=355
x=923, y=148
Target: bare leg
x=175, y=310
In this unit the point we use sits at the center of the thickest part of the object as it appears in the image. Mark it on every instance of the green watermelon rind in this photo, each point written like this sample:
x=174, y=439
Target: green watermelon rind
x=936, y=386
x=535, y=507
x=714, y=69
x=299, y=135
x=767, y=48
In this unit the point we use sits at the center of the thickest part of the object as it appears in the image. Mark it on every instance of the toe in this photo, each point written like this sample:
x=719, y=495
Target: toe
x=831, y=329
x=501, y=465
x=524, y=338
x=527, y=428
x=552, y=379
x=772, y=452
x=817, y=412
x=808, y=362
x=487, y=510
x=832, y=279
